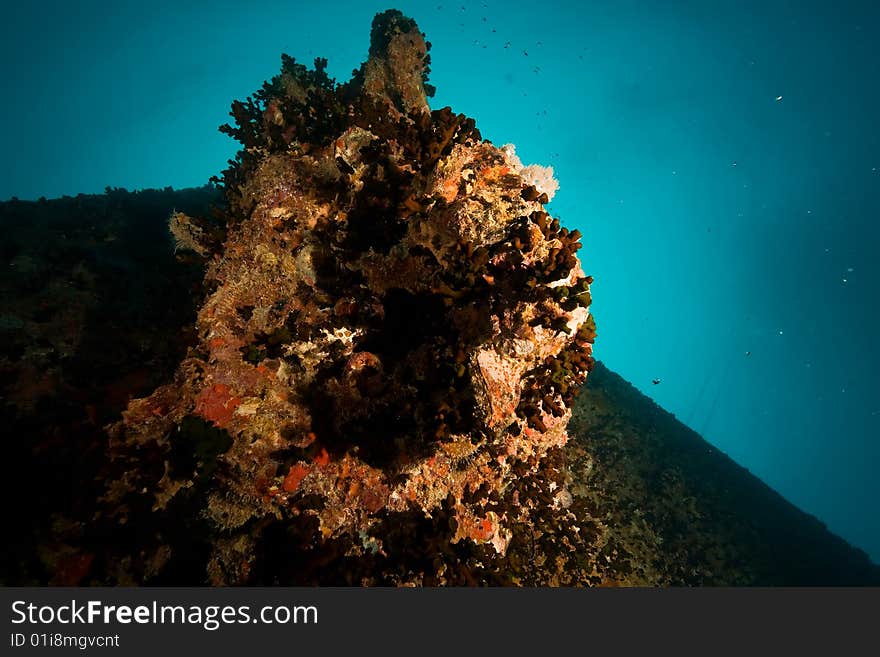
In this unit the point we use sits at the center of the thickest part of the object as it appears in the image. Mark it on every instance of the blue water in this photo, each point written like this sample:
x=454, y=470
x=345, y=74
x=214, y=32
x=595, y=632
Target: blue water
x=723, y=162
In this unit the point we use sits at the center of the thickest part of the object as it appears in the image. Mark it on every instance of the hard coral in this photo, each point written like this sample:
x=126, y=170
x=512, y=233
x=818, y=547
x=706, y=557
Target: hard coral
x=392, y=336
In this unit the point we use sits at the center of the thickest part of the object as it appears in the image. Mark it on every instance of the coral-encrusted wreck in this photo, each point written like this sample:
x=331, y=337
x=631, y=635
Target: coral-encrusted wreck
x=392, y=334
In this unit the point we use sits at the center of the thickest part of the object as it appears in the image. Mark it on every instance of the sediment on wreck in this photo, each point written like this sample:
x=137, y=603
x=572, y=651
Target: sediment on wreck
x=392, y=334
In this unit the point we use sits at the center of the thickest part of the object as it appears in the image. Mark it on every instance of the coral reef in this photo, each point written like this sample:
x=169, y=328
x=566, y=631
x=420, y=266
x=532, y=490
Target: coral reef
x=373, y=384
x=393, y=331
x=95, y=309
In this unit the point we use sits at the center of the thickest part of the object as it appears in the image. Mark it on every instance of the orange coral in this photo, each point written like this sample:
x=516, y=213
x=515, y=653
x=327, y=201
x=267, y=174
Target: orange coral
x=322, y=459
x=294, y=478
x=217, y=404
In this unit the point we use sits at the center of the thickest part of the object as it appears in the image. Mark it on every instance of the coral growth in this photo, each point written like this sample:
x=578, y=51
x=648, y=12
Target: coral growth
x=392, y=334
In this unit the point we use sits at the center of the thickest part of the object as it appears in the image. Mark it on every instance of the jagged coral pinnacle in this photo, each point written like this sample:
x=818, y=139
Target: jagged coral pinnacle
x=393, y=330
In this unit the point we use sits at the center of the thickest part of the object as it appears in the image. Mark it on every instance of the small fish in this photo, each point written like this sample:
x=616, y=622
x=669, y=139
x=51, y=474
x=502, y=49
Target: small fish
x=778, y=98
x=656, y=382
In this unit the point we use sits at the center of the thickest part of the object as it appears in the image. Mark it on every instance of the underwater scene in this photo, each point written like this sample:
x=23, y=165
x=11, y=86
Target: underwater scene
x=459, y=294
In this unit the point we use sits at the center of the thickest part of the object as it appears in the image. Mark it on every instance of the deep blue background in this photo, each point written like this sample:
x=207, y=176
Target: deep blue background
x=733, y=235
